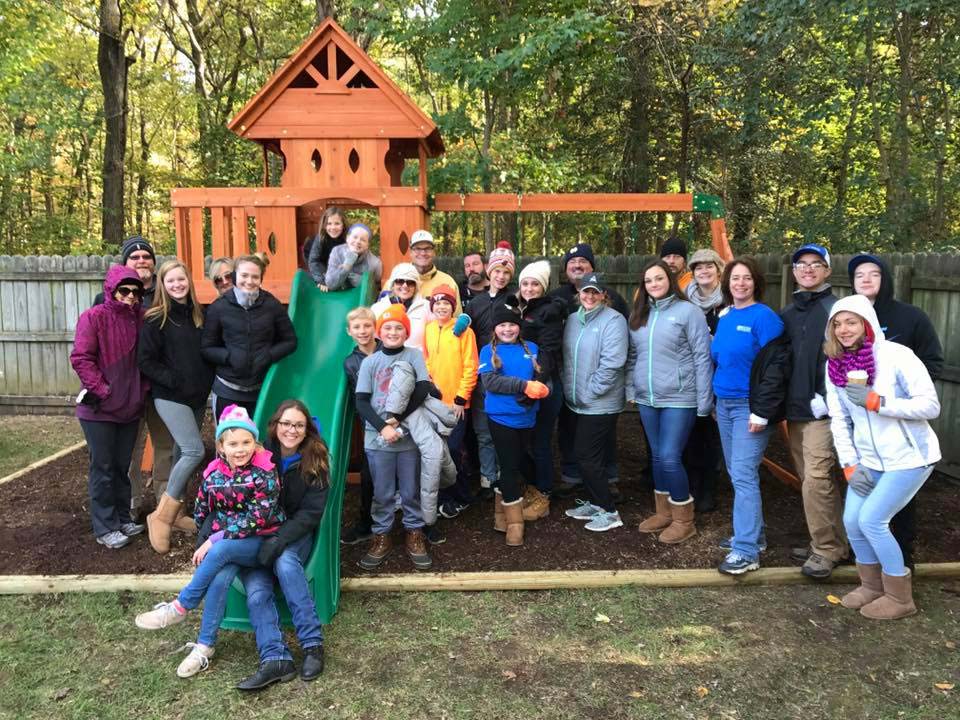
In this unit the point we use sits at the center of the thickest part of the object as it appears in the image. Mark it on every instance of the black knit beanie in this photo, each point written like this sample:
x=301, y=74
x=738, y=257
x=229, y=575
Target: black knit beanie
x=134, y=243
x=674, y=246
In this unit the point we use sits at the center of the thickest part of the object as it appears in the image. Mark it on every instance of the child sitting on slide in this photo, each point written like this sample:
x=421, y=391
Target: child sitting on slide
x=348, y=262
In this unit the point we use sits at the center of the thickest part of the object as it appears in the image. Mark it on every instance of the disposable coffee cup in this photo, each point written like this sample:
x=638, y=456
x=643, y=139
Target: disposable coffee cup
x=857, y=377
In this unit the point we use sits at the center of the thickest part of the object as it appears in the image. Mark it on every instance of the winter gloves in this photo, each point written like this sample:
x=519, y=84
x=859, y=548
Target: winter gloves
x=859, y=479
x=461, y=325
x=536, y=390
x=864, y=396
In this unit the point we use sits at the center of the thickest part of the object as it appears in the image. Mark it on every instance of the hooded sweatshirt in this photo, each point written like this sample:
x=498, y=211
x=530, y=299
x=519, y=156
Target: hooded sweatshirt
x=105, y=354
x=897, y=436
x=901, y=322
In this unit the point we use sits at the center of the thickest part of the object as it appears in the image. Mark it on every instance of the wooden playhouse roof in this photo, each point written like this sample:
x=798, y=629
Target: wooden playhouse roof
x=330, y=88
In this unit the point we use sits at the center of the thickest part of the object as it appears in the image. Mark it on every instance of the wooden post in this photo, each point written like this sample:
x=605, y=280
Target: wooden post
x=903, y=283
x=786, y=285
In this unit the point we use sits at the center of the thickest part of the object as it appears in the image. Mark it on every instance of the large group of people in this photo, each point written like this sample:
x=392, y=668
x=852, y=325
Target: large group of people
x=462, y=390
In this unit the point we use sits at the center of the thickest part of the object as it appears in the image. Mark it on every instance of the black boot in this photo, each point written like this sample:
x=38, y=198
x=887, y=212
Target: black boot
x=312, y=664
x=270, y=671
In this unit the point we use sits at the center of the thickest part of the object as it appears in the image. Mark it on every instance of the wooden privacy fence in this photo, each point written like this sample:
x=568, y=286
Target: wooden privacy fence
x=42, y=297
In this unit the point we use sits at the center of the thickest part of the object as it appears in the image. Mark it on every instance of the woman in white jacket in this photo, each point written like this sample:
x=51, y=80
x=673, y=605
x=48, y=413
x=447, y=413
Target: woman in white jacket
x=880, y=397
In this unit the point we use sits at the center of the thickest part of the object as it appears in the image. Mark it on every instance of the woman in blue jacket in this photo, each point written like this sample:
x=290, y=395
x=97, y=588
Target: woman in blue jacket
x=670, y=377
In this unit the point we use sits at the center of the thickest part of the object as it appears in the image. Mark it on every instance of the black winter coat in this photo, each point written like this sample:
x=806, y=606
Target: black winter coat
x=568, y=293
x=543, y=320
x=805, y=321
x=907, y=324
x=769, y=376
x=480, y=311
x=242, y=343
x=170, y=358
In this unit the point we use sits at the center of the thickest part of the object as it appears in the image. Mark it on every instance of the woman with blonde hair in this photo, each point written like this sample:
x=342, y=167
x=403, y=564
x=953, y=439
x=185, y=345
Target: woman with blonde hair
x=169, y=356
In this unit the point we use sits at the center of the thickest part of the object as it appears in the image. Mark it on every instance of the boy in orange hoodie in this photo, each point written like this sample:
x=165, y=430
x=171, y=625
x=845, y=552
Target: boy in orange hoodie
x=452, y=364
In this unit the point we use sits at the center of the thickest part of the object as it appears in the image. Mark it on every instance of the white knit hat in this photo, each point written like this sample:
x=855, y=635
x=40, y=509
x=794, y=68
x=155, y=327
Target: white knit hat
x=539, y=271
x=404, y=271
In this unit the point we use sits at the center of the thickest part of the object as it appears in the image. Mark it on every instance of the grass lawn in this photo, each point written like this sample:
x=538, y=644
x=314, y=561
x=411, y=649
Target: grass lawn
x=754, y=653
x=27, y=438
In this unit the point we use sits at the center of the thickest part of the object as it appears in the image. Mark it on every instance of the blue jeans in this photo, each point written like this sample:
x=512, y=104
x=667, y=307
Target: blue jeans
x=543, y=438
x=262, y=606
x=392, y=471
x=667, y=431
x=743, y=451
x=207, y=581
x=867, y=519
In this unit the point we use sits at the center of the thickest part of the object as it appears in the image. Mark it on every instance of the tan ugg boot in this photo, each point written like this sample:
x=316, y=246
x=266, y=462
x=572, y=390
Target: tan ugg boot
x=538, y=507
x=871, y=587
x=682, y=527
x=499, y=521
x=513, y=512
x=662, y=518
x=896, y=602
x=184, y=523
x=160, y=522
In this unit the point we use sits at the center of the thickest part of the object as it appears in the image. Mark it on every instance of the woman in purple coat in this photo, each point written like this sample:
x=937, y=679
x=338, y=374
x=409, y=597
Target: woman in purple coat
x=111, y=402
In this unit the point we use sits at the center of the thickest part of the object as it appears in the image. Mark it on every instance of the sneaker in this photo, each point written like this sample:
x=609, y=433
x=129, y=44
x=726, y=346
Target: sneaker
x=451, y=509
x=355, y=535
x=583, y=511
x=433, y=535
x=197, y=661
x=727, y=543
x=818, y=567
x=604, y=521
x=162, y=615
x=737, y=564
x=113, y=540
x=131, y=528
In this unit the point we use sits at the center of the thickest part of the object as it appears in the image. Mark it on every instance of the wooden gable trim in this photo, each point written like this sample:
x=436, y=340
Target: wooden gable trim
x=330, y=32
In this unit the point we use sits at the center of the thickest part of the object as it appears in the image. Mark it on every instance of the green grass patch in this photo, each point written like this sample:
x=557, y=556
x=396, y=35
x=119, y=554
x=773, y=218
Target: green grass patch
x=754, y=653
x=27, y=438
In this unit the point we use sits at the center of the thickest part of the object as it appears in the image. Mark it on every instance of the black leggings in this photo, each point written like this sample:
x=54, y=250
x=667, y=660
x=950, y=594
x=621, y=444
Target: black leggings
x=513, y=455
x=593, y=434
x=222, y=402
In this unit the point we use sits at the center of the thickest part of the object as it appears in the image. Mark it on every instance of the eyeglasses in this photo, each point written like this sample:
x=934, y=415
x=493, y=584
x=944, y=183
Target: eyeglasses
x=422, y=249
x=125, y=290
x=411, y=283
x=298, y=427
x=140, y=256
x=809, y=266
x=219, y=280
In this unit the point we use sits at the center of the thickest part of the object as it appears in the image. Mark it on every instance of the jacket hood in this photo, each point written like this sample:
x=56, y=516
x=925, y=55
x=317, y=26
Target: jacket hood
x=858, y=305
x=885, y=296
x=117, y=275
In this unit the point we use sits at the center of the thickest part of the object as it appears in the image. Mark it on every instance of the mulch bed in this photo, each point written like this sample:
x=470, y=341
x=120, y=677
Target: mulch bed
x=46, y=529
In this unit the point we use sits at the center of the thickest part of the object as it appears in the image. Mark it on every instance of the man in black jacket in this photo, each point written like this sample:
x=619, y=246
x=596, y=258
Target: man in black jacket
x=908, y=325
x=577, y=262
x=811, y=443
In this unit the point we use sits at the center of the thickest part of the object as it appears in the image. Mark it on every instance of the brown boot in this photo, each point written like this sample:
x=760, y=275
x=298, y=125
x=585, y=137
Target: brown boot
x=537, y=508
x=160, y=522
x=513, y=513
x=682, y=527
x=897, y=600
x=871, y=587
x=184, y=523
x=380, y=547
x=662, y=518
x=417, y=550
x=499, y=521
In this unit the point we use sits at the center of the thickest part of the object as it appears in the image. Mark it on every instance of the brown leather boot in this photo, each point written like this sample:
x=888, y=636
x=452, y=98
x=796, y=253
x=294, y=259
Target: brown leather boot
x=896, y=602
x=513, y=513
x=417, y=550
x=682, y=527
x=662, y=518
x=538, y=507
x=871, y=587
x=380, y=547
x=184, y=523
x=160, y=522
x=499, y=521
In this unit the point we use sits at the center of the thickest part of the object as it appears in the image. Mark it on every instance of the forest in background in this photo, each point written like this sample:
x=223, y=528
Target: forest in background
x=814, y=120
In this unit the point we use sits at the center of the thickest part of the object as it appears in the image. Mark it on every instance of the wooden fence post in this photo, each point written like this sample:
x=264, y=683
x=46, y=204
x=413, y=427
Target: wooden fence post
x=786, y=285
x=903, y=283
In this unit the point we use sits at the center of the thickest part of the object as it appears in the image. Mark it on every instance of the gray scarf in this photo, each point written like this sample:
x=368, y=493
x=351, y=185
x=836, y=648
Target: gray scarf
x=704, y=302
x=246, y=299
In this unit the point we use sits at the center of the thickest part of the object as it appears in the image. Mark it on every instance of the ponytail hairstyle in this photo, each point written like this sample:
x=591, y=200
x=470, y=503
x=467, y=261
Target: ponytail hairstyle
x=314, y=456
x=641, y=299
x=162, y=302
x=498, y=363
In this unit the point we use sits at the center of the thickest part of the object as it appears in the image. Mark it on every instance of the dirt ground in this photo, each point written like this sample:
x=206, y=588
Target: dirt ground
x=46, y=529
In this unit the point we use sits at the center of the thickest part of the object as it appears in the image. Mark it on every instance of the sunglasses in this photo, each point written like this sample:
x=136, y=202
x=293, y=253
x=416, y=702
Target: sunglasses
x=219, y=280
x=411, y=283
x=125, y=290
x=140, y=256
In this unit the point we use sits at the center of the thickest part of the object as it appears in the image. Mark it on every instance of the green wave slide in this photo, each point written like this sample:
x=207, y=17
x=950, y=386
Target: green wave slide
x=314, y=374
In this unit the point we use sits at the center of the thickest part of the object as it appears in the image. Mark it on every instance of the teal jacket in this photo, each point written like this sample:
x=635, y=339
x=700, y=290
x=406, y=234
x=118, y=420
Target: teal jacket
x=594, y=354
x=669, y=363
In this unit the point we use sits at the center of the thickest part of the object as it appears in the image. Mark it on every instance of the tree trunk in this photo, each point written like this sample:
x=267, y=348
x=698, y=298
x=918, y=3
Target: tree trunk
x=325, y=9
x=112, y=64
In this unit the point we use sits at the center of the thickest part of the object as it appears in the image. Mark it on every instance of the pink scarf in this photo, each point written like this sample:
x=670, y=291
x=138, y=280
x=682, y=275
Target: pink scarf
x=861, y=359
